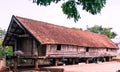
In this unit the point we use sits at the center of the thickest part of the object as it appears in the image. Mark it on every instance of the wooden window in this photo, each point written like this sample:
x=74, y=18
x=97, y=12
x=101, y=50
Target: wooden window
x=87, y=49
x=58, y=47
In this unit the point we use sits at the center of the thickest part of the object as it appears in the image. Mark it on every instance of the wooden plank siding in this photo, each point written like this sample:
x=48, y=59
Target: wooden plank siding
x=75, y=51
x=25, y=44
x=31, y=47
x=42, y=50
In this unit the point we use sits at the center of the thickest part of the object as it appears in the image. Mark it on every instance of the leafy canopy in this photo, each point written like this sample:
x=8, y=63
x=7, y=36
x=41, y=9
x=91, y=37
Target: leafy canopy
x=102, y=30
x=70, y=7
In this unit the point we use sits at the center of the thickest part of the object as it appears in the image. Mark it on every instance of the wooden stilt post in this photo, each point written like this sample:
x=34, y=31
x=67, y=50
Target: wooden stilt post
x=110, y=58
x=87, y=61
x=68, y=61
x=77, y=60
x=73, y=61
x=104, y=59
x=107, y=59
x=15, y=63
x=97, y=60
x=36, y=63
x=55, y=61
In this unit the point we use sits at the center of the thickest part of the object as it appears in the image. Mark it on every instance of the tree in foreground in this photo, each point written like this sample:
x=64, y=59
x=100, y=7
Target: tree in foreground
x=7, y=50
x=70, y=7
x=102, y=30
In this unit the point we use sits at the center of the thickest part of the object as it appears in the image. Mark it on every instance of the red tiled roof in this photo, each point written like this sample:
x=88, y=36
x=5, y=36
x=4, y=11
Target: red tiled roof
x=47, y=33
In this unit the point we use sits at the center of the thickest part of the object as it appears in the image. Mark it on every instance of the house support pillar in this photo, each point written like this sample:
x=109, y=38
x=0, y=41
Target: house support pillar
x=110, y=58
x=55, y=62
x=15, y=62
x=77, y=60
x=87, y=61
x=68, y=61
x=104, y=59
x=73, y=61
x=36, y=63
x=97, y=60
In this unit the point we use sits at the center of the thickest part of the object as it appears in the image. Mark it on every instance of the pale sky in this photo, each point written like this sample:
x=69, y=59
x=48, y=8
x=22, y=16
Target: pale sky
x=109, y=16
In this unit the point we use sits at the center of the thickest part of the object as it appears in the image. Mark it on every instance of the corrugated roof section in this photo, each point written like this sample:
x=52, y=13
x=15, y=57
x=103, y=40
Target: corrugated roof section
x=47, y=33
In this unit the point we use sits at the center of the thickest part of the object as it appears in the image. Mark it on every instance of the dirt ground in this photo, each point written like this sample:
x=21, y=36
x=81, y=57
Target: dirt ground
x=92, y=67
x=100, y=67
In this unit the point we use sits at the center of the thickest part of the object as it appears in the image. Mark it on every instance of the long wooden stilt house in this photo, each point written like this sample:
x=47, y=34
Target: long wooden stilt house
x=40, y=40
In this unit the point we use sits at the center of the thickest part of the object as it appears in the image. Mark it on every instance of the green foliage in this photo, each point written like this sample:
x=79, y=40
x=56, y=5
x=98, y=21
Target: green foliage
x=101, y=30
x=45, y=2
x=92, y=6
x=77, y=28
x=4, y=50
x=95, y=29
x=69, y=7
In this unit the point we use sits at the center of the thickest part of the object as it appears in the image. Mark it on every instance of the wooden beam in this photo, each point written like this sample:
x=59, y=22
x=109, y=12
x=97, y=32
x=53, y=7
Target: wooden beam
x=19, y=24
x=12, y=34
x=55, y=62
x=24, y=35
x=87, y=61
x=73, y=61
x=97, y=60
x=15, y=63
x=110, y=58
x=104, y=59
x=36, y=64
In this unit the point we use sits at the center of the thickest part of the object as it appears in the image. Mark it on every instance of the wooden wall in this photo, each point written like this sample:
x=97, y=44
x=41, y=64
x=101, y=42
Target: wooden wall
x=25, y=45
x=78, y=51
x=31, y=47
